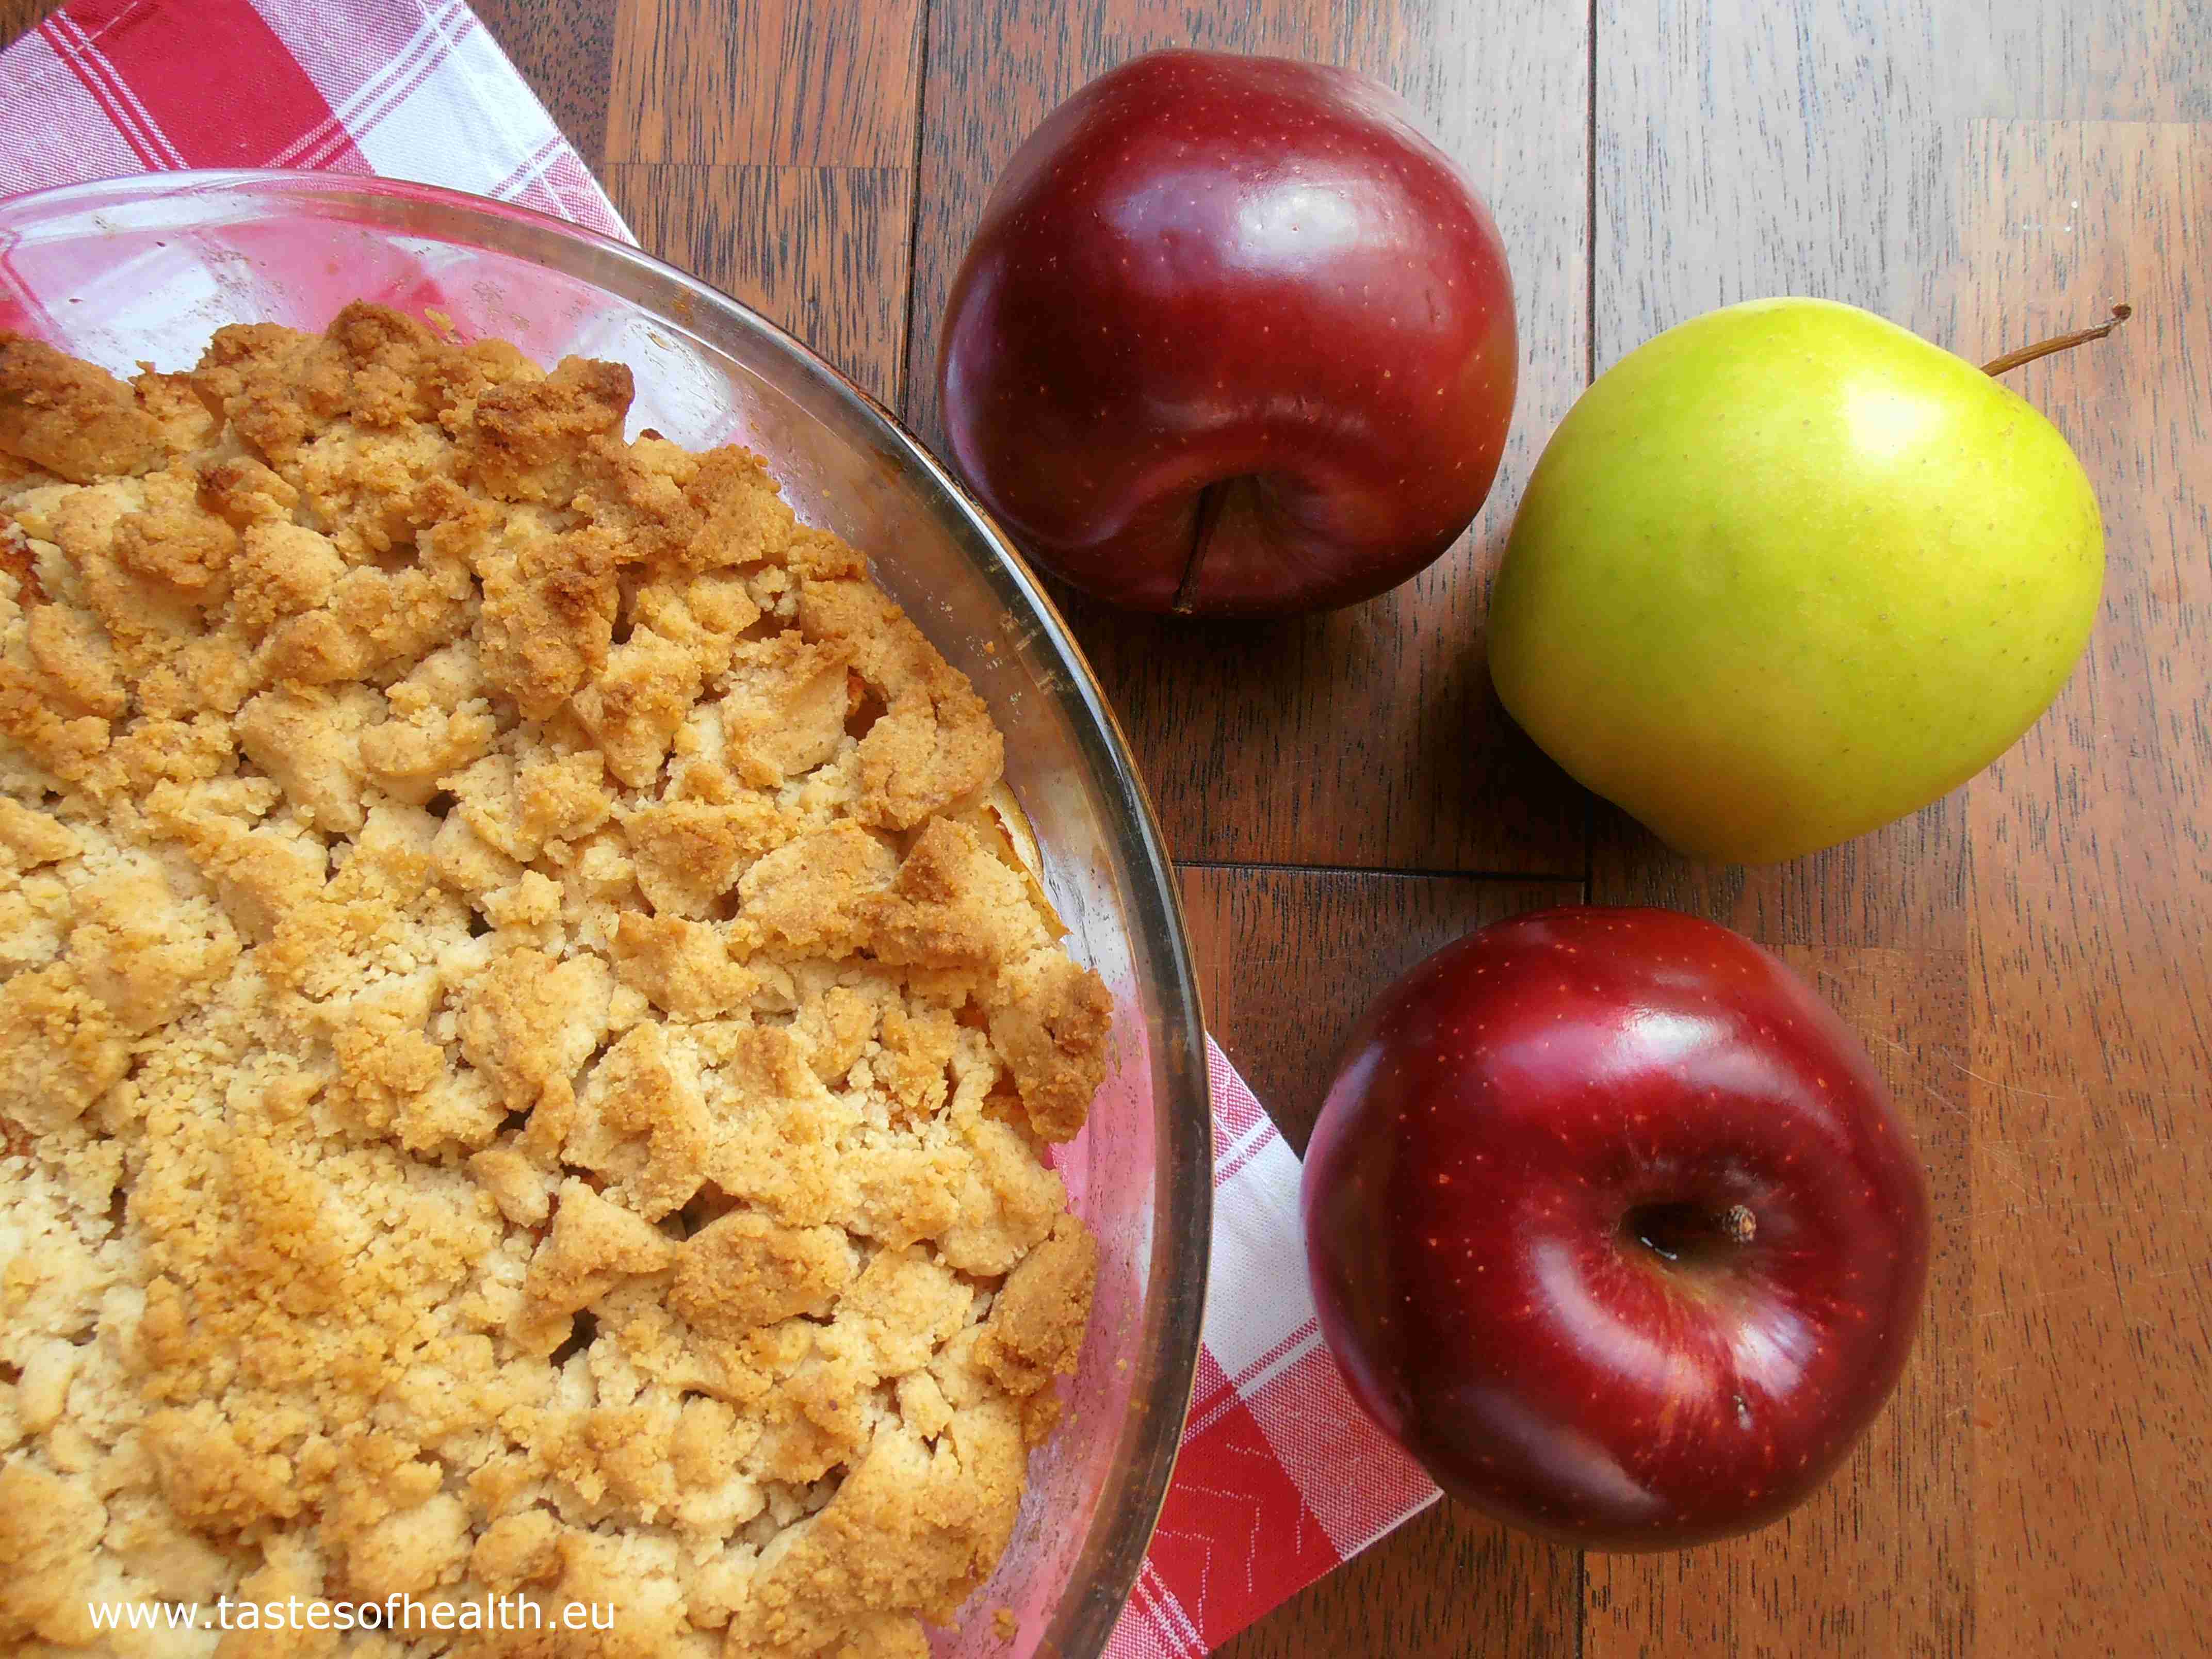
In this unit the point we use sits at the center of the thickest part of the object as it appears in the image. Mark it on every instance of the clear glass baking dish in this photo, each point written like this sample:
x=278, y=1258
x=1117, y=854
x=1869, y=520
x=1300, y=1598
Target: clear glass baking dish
x=143, y=269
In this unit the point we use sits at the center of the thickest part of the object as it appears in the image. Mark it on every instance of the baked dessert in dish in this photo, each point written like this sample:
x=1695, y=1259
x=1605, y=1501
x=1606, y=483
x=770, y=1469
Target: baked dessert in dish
x=529, y=1047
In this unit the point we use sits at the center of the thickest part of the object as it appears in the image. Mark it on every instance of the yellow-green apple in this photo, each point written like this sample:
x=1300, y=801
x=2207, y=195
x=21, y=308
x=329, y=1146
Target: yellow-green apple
x=1787, y=572
x=1611, y=1223
x=1233, y=338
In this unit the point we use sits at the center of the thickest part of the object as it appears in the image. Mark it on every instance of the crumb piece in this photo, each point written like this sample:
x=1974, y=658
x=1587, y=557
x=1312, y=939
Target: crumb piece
x=1036, y=1324
x=77, y=422
x=592, y=1244
x=744, y=1270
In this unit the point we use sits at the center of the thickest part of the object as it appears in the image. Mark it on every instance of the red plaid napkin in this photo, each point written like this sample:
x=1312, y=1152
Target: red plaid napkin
x=400, y=88
x=1282, y=1477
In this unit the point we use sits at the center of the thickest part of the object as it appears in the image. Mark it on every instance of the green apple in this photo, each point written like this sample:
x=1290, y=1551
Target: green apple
x=1787, y=572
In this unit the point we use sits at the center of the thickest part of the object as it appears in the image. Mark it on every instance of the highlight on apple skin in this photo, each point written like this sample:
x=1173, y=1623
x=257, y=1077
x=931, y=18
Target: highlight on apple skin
x=1613, y=1224
x=1233, y=338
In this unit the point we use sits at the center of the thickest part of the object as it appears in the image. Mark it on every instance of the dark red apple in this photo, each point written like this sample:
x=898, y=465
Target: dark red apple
x=1233, y=337
x=1613, y=1225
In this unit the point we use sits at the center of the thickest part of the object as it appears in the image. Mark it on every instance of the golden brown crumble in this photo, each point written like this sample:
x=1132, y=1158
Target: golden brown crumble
x=525, y=1047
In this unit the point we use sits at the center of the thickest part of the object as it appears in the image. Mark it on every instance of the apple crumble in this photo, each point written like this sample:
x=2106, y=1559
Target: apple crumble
x=527, y=1050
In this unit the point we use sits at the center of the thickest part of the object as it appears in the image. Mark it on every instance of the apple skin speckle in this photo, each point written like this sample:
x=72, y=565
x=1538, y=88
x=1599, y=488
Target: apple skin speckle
x=1612, y=1357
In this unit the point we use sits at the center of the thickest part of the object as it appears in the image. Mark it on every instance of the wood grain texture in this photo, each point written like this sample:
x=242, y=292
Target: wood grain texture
x=566, y=54
x=1744, y=149
x=1747, y=150
x=1369, y=736
x=1287, y=958
x=2112, y=60
x=821, y=251
x=776, y=83
x=2091, y=915
x=767, y=146
x=17, y=16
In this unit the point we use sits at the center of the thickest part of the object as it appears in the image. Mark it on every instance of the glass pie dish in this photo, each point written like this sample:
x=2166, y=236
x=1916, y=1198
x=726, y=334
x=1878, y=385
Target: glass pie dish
x=143, y=269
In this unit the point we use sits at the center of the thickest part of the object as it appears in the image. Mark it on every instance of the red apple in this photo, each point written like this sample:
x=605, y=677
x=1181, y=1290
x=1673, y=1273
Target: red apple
x=1614, y=1226
x=1233, y=338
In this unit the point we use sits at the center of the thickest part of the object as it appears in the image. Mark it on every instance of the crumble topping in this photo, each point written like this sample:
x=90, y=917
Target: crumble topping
x=526, y=1047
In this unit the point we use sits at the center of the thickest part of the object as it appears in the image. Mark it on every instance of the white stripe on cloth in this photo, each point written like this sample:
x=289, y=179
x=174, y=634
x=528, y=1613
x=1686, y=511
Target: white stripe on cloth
x=51, y=131
x=122, y=106
x=456, y=122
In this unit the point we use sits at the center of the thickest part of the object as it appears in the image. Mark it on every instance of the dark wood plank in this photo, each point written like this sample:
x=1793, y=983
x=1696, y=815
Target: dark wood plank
x=17, y=16
x=1370, y=736
x=1288, y=958
x=787, y=82
x=566, y=52
x=1904, y=886
x=2093, y=844
x=821, y=251
x=769, y=146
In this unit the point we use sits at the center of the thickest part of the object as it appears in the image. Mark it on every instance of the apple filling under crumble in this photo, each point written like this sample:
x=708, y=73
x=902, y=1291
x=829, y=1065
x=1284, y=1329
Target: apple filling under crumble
x=525, y=1050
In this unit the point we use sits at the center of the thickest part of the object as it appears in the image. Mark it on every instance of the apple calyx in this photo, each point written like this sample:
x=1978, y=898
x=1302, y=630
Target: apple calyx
x=2013, y=360
x=1680, y=1232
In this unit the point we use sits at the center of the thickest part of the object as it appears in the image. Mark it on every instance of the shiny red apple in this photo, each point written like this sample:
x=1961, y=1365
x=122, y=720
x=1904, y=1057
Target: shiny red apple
x=1233, y=337
x=1613, y=1225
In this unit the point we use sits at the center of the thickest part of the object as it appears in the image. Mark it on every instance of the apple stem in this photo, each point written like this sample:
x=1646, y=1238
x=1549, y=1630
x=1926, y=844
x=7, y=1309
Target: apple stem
x=2013, y=360
x=1211, y=500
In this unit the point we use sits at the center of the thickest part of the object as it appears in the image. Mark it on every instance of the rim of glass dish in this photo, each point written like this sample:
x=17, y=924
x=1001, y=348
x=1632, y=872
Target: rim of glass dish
x=1186, y=1228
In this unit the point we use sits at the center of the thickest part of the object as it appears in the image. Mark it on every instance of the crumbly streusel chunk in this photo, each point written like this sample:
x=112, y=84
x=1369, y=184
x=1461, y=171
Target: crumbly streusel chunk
x=525, y=1055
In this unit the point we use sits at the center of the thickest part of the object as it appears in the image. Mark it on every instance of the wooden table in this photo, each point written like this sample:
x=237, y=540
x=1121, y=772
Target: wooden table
x=2027, y=959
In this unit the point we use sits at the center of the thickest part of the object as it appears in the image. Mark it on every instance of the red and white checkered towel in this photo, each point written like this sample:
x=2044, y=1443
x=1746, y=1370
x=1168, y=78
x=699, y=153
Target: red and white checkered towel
x=1282, y=1477
x=400, y=88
